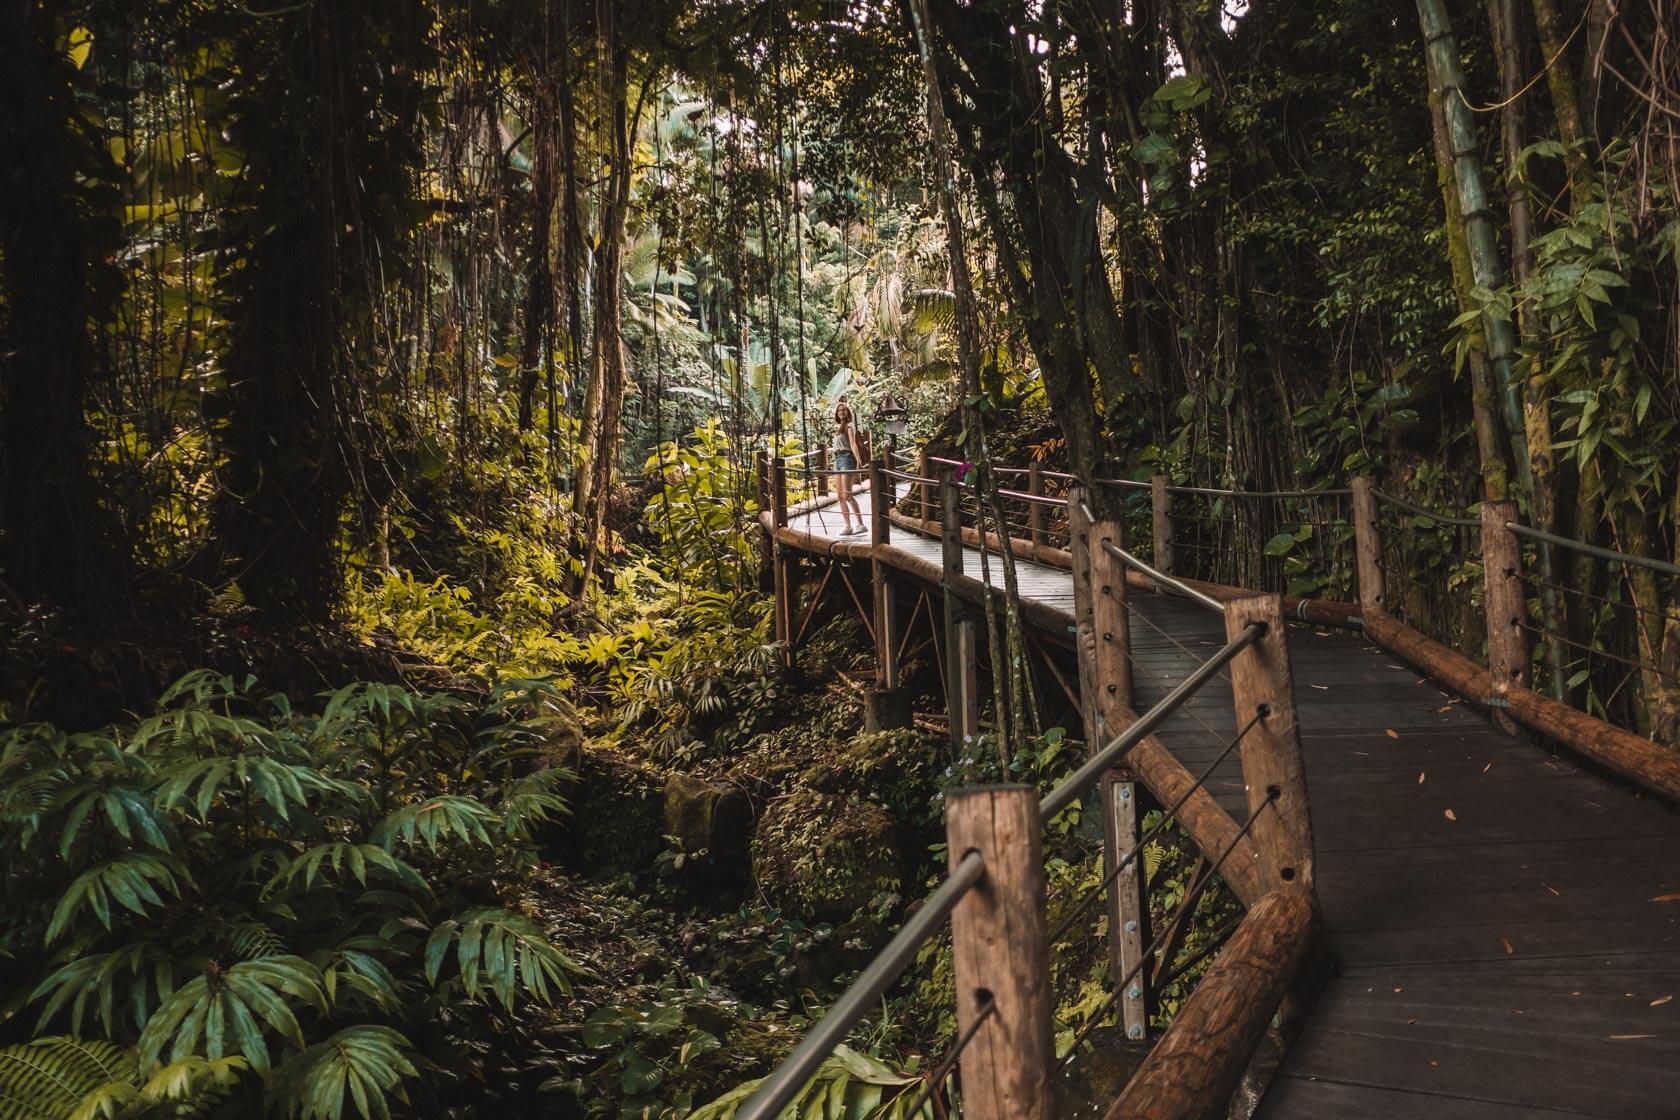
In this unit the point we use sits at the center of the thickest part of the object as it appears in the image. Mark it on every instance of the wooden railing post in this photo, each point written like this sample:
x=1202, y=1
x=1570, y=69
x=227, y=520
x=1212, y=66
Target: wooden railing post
x=1161, y=525
x=784, y=577
x=962, y=692
x=1262, y=684
x=1367, y=546
x=924, y=494
x=767, y=543
x=886, y=708
x=1103, y=640
x=1000, y=955
x=1035, y=511
x=1507, y=645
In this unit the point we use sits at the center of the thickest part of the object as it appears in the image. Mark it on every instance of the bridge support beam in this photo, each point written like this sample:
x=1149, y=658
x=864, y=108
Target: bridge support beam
x=1103, y=639
x=767, y=540
x=962, y=689
x=886, y=706
x=1000, y=954
x=785, y=565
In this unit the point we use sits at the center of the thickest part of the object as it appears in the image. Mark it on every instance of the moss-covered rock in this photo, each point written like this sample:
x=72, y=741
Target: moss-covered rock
x=711, y=825
x=897, y=769
x=829, y=858
x=617, y=823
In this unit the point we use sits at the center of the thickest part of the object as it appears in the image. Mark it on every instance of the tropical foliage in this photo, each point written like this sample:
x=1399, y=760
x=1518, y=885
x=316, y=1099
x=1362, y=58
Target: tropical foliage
x=274, y=906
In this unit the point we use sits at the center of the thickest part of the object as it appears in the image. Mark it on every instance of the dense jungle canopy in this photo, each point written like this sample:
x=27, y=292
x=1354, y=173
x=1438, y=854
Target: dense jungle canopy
x=390, y=720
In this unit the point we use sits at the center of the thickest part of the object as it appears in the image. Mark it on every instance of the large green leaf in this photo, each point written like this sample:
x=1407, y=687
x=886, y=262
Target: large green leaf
x=847, y=1086
x=498, y=952
x=131, y=880
x=359, y=1066
x=225, y=1011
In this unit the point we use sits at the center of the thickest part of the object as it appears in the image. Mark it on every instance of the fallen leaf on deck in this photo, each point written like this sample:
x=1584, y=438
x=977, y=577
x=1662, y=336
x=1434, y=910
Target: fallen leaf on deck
x=1451, y=816
x=1486, y=768
x=1322, y=687
x=1393, y=734
x=1420, y=777
x=1660, y=1000
x=1667, y=898
x=1551, y=888
x=1505, y=943
x=1623, y=1037
x=1443, y=708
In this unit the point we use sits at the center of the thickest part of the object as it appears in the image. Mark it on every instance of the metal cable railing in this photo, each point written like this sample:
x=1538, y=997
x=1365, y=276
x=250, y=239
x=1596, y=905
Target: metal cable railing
x=789, y=1079
x=785, y=1083
x=1186, y=907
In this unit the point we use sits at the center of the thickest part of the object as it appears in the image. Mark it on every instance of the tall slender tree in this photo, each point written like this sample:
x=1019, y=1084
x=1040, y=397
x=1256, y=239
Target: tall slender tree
x=57, y=227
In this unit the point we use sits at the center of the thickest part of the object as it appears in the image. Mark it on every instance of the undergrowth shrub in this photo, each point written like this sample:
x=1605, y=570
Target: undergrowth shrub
x=274, y=907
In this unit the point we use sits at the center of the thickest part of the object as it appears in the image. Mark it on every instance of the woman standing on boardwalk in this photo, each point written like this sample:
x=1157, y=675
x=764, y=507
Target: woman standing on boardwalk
x=845, y=453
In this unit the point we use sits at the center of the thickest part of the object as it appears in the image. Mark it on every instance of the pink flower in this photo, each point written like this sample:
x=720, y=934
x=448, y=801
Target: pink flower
x=962, y=471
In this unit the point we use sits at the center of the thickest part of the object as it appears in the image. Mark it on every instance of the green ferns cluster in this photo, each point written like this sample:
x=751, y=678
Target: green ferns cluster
x=233, y=900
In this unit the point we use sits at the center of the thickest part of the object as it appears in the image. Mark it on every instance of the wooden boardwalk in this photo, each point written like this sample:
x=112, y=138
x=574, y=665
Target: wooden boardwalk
x=1506, y=926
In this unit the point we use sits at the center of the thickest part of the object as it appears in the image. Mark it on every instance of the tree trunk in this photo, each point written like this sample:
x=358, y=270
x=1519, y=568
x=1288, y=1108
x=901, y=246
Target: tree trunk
x=1503, y=16
x=1490, y=447
x=55, y=542
x=305, y=221
x=1447, y=81
x=607, y=358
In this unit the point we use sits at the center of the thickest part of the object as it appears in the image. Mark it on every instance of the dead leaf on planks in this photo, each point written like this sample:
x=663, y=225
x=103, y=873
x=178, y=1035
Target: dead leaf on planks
x=1420, y=777
x=1322, y=687
x=1660, y=1000
x=1505, y=944
x=1625, y=1037
x=1450, y=815
x=1392, y=734
x=1667, y=898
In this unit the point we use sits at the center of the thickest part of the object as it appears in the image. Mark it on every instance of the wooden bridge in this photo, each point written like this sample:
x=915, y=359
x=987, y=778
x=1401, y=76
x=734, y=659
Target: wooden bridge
x=1463, y=897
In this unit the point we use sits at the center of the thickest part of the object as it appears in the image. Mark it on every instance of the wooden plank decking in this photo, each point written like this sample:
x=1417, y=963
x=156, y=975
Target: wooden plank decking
x=1507, y=926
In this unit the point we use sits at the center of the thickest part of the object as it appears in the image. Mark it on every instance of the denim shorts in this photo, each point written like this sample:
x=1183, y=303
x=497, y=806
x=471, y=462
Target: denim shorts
x=843, y=461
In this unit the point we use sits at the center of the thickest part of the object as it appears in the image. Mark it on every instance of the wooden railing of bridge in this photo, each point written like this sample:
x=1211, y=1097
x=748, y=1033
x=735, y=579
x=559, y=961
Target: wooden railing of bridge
x=994, y=895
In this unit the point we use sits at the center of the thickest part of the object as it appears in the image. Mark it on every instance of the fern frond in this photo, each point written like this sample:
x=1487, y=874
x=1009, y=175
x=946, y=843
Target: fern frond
x=50, y=1078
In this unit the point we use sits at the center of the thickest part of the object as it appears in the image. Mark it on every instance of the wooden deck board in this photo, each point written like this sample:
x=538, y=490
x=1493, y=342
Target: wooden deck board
x=1512, y=962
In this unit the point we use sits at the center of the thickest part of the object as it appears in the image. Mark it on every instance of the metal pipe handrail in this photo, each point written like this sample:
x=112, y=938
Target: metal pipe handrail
x=826, y=470
x=1001, y=470
x=1104, y=760
x=1444, y=518
x=785, y=1082
x=908, y=477
x=1164, y=579
x=1219, y=493
x=1593, y=550
x=1026, y=496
